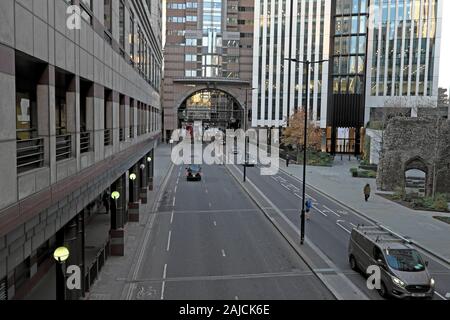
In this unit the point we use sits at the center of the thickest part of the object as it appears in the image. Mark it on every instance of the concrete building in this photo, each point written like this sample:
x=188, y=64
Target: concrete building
x=80, y=113
x=380, y=53
x=208, y=62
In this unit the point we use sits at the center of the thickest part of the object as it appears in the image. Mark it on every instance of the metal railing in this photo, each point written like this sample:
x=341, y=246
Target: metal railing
x=96, y=266
x=63, y=147
x=107, y=134
x=85, y=142
x=30, y=154
x=122, y=134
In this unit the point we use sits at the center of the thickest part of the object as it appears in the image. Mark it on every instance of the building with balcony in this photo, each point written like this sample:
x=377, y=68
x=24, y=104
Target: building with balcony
x=79, y=113
x=207, y=62
x=380, y=54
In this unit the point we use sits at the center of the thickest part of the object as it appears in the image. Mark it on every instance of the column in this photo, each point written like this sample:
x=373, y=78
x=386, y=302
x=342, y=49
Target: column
x=143, y=180
x=117, y=232
x=133, y=205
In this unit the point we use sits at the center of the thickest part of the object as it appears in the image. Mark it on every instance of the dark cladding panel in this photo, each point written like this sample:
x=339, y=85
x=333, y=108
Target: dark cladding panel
x=347, y=111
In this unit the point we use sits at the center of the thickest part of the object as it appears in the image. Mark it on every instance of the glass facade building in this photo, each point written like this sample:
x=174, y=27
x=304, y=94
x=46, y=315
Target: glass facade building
x=376, y=50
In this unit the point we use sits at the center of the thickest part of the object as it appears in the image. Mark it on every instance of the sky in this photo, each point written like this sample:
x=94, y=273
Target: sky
x=444, y=73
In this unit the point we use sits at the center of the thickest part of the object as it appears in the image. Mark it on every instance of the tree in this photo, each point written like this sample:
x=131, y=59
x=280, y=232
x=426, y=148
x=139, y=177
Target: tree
x=293, y=135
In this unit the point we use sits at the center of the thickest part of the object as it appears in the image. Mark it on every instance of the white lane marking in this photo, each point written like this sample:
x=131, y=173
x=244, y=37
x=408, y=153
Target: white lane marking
x=210, y=205
x=164, y=283
x=331, y=211
x=320, y=211
x=236, y=298
x=171, y=217
x=298, y=196
x=168, y=241
x=441, y=296
x=447, y=295
x=342, y=227
x=309, y=196
x=206, y=190
x=223, y=253
x=286, y=187
x=175, y=190
x=353, y=225
x=215, y=224
x=173, y=202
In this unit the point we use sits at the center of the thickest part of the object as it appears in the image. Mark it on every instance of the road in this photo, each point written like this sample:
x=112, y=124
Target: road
x=330, y=226
x=208, y=240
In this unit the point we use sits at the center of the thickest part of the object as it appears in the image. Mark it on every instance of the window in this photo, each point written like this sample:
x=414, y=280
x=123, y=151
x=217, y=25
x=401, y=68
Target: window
x=177, y=19
x=86, y=10
x=191, y=42
x=122, y=24
x=132, y=36
x=191, y=18
x=191, y=58
x=191, y=5
x=191, y=73
x=108, y=15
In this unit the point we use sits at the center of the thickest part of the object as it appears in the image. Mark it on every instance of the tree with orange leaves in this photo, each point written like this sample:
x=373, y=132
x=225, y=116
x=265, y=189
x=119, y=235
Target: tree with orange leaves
x=293, y=135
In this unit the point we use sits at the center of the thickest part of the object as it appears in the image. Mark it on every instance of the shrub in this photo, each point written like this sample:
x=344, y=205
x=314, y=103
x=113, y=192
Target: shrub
x=399, y=193
x=440, y=203
x=372, y=174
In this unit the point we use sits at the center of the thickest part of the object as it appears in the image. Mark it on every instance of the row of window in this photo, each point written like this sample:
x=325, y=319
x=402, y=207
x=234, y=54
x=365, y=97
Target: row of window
x=140, y=52
x=182, y=6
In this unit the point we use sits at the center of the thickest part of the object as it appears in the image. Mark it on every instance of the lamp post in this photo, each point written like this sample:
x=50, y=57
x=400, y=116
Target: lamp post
x=132, y=177
x=61, y=255
x=307, y=63
x=245, y=131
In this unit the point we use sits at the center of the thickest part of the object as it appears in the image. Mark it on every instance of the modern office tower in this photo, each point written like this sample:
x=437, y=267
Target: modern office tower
x=80, y=113
x=380, y=53
x=208, y=62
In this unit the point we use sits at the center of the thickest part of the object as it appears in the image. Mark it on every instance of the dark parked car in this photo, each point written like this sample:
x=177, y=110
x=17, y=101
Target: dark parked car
x=194, y=172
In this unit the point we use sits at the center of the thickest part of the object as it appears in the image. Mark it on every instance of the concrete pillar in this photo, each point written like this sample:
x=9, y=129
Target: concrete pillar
x=117, y=232
x=97, y=112
x=125, y=124
x=134, y=204
x=8, y=116
x=143, y=180
x=73, y=116
x=45, y=92
x=115, y=125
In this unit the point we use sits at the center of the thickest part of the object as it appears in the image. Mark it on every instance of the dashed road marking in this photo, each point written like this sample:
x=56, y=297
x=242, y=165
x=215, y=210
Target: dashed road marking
x=173, y=202
x=168, y=241
x=223, y=253
x=329, y=210
x=236, y=298
x=215, y=224
x=441, y=296
x=171, y=217
x=164, y=283
x=342, y=227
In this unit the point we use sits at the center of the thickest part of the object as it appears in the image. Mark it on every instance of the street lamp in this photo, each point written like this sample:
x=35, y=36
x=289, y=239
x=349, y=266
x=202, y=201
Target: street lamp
x=132, y=177
x=245, y=131
x=61, y=255
x=307, y=63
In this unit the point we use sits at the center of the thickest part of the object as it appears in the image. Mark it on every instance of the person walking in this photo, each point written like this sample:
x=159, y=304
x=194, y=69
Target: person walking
x=367, y=192
x=288, y=158
x=308, y=205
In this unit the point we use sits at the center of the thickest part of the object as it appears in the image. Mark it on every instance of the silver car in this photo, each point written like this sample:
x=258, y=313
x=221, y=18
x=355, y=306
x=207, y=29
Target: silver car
x=404, y=273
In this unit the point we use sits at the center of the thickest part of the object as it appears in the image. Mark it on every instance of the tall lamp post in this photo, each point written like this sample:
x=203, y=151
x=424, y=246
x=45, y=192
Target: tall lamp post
x=245, y=129
x=307, y=63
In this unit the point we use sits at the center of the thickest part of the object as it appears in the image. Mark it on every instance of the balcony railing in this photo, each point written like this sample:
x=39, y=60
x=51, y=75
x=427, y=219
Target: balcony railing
x=85, y=142
x=107, y=134
x=122, y=134
x=63, y=147
x=30, y=154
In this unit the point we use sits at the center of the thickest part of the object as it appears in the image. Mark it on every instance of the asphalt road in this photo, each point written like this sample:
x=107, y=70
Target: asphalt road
x=330, y=226
x=208, y=240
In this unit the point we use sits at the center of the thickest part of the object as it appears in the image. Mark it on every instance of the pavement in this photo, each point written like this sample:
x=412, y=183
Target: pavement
x=337, y=182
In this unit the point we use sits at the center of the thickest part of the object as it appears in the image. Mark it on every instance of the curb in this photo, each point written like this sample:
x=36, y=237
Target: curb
x=286, y=236
x=427, y=250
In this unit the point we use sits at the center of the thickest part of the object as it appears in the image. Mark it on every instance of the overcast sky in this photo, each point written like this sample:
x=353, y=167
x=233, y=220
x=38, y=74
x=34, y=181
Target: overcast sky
x=444, y=74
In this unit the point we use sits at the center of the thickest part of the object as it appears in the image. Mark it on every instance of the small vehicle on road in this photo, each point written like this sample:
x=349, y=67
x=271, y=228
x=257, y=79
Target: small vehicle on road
x=403, y=272
x=194, y=172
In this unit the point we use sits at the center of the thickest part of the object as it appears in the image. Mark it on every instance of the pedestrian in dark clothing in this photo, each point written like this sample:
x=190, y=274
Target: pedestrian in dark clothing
x=367, y=192
x=105, y=200
x=287, y=160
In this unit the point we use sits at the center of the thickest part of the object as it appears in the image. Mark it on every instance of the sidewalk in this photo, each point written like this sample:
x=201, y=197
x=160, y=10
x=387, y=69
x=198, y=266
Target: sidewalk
x=110, y=282
x=420, y=226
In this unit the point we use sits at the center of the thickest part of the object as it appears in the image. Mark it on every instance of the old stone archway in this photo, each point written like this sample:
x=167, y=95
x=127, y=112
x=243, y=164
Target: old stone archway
x=417, y=177
x=421, y=144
